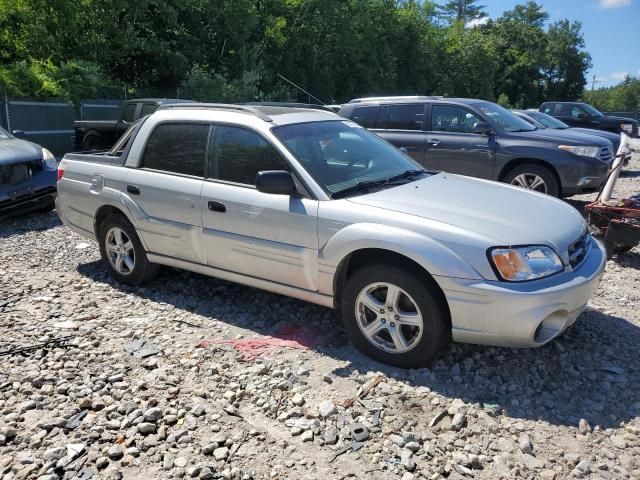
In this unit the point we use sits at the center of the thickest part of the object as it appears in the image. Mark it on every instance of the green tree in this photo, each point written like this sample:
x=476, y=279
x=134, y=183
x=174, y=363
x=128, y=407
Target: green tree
x=461, y=10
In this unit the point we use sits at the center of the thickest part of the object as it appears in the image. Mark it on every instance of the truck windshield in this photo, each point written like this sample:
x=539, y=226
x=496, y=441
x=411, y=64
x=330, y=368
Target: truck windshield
x=548, y=121
x=504, y=118
x=591, y=111
x=342, y=156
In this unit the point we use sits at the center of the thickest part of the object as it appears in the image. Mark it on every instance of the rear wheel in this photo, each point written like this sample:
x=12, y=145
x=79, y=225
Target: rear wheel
x=394, y=315
x=534, y=177
x=123, y=253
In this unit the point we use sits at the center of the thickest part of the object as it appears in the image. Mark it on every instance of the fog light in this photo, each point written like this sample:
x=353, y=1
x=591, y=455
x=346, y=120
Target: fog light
x=584, y=181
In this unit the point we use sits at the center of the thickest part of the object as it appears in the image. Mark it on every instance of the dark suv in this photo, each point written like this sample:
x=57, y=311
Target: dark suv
x=578, y=114
x=482, y=139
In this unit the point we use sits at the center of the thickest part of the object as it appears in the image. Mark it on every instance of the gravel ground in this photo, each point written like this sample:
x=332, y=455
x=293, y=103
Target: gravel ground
x=86, y=407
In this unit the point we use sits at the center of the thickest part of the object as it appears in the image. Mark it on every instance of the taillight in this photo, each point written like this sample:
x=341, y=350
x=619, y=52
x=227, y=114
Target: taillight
x=60, y=173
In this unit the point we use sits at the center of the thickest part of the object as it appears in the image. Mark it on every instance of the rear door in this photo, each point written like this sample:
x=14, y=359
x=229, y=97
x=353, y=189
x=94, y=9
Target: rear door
x=273, y=237
x=165, y=189
x=451, y=145
x=402, y=125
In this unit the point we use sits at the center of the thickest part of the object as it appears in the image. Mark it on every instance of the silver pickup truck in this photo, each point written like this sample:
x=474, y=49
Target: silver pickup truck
x=307, y=204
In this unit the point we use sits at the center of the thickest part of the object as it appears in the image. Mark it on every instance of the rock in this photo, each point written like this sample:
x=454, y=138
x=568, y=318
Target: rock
x=531, y=462
x=406, y=460
x=207, y=474
x=459, y=421
x=297, y=400
x=618, y=441
x=54, y=454
x=330, y=435
x=220, y=453
x=115, y=452
x=153, y=414
x=180, y=462
x=584, y=427
x=307, y=436
x=505, y=445
x=25, y=457
x=413, y=446
x=582, y=469
x=145, y=428
x=327, y=408
x=102, y=462
x=398, y=440
x=524, y=442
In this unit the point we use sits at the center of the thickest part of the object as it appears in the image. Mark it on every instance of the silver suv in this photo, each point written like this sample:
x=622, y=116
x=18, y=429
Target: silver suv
x=307, y=204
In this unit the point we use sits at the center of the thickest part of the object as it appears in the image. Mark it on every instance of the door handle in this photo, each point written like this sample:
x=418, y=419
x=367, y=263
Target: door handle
x=133, y=190
x=433, y=142
x=216, y=206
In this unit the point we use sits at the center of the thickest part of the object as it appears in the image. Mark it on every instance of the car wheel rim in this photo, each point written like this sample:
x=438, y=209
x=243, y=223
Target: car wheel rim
x=120, y=252
x=388, y=317
x=530, y=181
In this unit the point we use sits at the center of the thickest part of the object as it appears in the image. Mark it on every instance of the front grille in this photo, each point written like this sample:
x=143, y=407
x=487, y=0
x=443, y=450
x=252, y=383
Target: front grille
x=579, y=249
x=606, y=155
x=16, y=173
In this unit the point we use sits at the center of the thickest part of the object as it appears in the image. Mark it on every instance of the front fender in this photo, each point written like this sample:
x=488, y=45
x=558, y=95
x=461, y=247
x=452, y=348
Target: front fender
x=433, y=256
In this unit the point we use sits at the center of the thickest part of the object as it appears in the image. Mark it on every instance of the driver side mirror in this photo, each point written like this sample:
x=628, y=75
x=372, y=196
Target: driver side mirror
x=19, y=134
x=482, y=128
x=276, y=182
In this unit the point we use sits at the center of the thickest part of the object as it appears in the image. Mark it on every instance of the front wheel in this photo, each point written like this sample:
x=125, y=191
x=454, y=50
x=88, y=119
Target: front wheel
x=534, y=177
x=122, y=252
x=394, y=315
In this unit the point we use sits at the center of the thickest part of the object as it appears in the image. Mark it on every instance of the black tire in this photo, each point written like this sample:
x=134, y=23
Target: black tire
x=616, y=248
x=143, y=269
x=91, y=141
x=549, y=178
x=422, y=290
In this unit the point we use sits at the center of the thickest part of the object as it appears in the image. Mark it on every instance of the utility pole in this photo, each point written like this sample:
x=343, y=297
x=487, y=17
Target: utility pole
x=593, y=83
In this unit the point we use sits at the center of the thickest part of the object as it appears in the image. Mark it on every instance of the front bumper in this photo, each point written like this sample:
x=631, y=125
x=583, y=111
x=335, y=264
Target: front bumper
x=28, y=202
x=526, y=314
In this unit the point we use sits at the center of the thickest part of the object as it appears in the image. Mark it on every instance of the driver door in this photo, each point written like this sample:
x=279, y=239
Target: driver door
x=273, y=237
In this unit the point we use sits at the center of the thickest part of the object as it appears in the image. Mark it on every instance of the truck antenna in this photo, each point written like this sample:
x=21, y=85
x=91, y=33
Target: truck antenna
x=301, y=89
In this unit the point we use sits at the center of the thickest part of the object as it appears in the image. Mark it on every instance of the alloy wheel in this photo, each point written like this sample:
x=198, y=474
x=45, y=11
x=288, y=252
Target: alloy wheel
x=120, y=251
x=530, y=181
x=388, y=317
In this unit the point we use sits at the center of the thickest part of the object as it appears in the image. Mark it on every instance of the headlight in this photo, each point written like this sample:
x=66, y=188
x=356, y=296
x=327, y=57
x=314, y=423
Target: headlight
x=581, y=151
x=49, y=160
x=626, y=127
x=520, y=264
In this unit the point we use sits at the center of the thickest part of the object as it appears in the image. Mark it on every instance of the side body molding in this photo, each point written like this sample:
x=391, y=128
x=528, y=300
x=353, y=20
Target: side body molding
x=434, y=257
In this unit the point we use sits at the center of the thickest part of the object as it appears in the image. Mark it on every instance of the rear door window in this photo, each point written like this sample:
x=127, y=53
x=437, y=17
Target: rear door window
x=548, y=108
x=177, y=148
x=366, y=116
x=447, y=118
x=238, y=154
x=405, y=117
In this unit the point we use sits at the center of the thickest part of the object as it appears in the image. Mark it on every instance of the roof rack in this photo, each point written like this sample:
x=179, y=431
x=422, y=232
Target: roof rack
x=395, y=98
x=310, y=106
x=219, y=106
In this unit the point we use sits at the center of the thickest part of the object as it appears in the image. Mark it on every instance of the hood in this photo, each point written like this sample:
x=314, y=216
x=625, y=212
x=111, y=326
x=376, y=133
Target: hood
x=612, y=119
x=567, y=136
x=614, y=138
x=503, y=214
x=15, y=150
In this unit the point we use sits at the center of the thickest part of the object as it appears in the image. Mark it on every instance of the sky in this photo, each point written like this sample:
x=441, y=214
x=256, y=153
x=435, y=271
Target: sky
x=611, y=31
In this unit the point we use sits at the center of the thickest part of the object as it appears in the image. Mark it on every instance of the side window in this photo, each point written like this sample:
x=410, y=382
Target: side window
x=130, y=112
x=548, y=108
x=565, y=110
x=238, y=154
x=446, y=118
x=147, y=109
x=577, y=112
x=405, y=117
x=178, y=148
x=366, y=116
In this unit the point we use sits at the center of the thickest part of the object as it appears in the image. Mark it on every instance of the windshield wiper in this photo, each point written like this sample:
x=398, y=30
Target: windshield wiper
x=369, y=184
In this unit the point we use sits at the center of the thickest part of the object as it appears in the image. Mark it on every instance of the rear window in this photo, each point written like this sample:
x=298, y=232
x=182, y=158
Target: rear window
x=148, y=109
x=405, y=117
x=177, y=148
x=366, y=116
